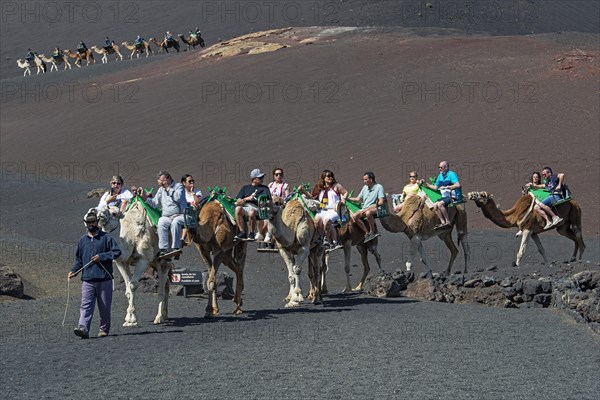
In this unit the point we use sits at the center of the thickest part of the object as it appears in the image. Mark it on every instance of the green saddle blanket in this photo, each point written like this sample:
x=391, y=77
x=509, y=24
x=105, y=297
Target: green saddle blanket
x=297, y=195
x=153, y=213
x=435, y=196
x=228, y=203
x=543, y=194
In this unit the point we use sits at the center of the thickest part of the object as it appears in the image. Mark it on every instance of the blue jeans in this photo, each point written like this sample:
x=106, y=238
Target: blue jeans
x=550, y=200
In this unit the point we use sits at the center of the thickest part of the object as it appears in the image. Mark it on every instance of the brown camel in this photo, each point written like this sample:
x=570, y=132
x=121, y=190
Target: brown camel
x=530, y=223
x=105, y=52
x=417, y=221
x=297, y=239
x=79, y=57
x=214, y=239
x=192, y=41
x=164, y=46
x=56, y=61
x=351, y=235
x=144, y=46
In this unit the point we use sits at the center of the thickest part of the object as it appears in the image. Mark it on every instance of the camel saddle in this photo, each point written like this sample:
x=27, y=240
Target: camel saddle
x=543, y=194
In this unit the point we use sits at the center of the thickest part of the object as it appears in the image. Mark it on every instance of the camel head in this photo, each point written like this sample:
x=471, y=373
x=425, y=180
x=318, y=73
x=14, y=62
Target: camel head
x=109, y=218
x=480, y=198
x=277, y=203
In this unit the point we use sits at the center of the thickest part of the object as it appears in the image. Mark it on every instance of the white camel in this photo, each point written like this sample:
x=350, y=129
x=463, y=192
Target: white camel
x=54, y=61
x=28, y=64
x=139, y=246
x=297, y=239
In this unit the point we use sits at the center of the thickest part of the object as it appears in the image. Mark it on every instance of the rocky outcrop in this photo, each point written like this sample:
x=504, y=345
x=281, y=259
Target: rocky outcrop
x=11, y=283
x=577, y=294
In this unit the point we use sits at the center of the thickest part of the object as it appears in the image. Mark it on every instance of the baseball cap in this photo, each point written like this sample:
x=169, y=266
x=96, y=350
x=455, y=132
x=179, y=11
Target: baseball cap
x=90, y=216
x=256, y=173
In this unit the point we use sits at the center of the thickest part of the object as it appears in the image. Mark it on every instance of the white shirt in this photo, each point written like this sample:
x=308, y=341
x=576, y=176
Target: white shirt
x=124, y=195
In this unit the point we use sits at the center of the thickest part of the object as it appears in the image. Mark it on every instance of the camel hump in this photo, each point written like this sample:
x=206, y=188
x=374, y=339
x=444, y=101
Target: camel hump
x=293, y=211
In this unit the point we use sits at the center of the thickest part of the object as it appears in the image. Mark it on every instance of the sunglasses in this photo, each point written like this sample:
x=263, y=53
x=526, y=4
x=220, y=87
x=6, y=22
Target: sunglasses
x=278, y=174
x=412, y=176
x=328, y=176
x=190, y=181
x=115, y=183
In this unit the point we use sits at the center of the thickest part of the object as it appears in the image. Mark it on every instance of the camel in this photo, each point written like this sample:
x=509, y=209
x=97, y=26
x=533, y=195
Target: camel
x=26, y=65
x=79, y=57
x=105, y=52
x=54, y=62
x=417, y=221
x=214, y=240
x=297, y=239
x=530, y=223
x=145, y=46
x=164, y=45
x=351, y=235
x=138, y=242
x=192, y=41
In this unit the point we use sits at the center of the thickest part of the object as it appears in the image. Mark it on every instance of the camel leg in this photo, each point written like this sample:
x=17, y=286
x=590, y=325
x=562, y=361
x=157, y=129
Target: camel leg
x=131, y=286
x=540, y=247
x=417, y=245
x=362, y=250
x=163, y=294
x=324, y=268
x=446, y=237
x=347, y=254
x=524, y=238
x=212, y=308
x=237, y=266
x=313, y=273
x=295, y=295
x=566, y=231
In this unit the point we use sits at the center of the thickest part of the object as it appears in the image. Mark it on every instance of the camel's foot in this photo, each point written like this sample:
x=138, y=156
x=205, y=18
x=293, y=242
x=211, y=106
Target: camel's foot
x=237, y=310
x=292, y=304
x=298, y=298
x=130, y=324
x=514, y=264
x=347, y=289
x=359, y=288
x=159, y=319
x=324, y=291
x=211, y=312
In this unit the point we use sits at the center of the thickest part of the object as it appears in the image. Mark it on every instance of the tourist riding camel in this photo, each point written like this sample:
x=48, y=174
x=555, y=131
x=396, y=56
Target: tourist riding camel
x=531, y=224
x=449, y=186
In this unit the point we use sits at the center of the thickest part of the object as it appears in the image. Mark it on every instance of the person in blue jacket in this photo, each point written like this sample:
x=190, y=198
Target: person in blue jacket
x=95, y=253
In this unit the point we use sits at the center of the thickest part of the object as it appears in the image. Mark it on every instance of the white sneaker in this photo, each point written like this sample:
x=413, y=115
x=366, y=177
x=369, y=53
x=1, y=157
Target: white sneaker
x=557, y=220
x=268, y=237
x=259, y=237
x=519, y=233
x=548, y=225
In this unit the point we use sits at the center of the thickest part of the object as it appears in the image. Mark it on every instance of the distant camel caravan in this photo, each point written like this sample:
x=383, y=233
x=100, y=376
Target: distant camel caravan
x=194, y=39
x=114, y=49
x=521, y=215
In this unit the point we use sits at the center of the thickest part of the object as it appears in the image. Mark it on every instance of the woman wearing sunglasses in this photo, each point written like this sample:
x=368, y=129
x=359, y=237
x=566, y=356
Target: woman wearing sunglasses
x=116, y=196
x=410, y=189
x=193, y=198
